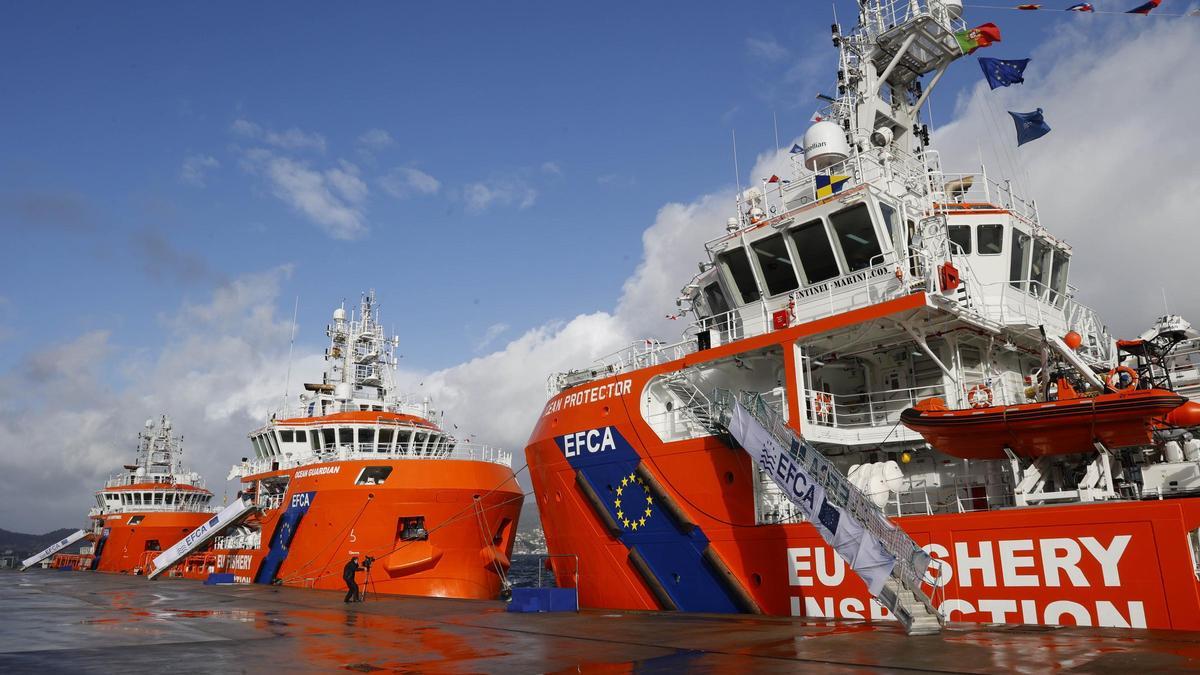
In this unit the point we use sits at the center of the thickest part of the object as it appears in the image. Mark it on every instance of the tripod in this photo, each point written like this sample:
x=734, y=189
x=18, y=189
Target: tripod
x=368, y=583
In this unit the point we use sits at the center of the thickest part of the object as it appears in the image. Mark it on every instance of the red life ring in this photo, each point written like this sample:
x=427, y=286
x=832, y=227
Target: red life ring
x=823, y=404
x=1113, y=374
x=979, y=396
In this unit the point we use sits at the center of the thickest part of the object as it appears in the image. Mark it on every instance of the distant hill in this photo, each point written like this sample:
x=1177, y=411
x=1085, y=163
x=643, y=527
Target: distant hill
x=20, y=542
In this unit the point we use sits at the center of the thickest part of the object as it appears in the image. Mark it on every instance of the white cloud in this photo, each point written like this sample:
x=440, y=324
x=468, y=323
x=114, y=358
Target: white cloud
x=289, y=139
x=333, y=199
x=219, y=373
x=374, y=140
x=489, y=336
x=553, y=168
x=195, y=168
x=766, y=48
x=483, y=195
x=403, y=182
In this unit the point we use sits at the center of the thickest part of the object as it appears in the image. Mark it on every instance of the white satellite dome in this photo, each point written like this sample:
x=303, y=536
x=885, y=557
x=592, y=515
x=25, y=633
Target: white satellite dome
x=954, y=8
x=824, y=145
x=339, y=314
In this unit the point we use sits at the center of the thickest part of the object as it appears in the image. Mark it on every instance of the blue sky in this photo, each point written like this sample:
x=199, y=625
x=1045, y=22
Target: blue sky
x=603, y=112
x=492, y=169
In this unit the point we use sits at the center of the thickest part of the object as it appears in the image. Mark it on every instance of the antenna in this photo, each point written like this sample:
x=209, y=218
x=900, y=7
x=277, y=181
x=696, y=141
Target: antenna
x=287, y=383
x=1166, y=309
x=737, y=176
x=775, y=119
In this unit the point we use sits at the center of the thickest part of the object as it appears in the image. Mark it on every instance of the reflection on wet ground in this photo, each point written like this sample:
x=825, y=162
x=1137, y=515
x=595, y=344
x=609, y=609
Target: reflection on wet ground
x=92, y=622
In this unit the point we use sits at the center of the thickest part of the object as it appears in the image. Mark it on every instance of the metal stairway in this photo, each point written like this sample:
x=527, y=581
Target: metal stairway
x=902, y=594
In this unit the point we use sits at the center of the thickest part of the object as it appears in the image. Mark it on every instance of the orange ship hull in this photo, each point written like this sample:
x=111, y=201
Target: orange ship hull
x=128, y=540
x=469, y=510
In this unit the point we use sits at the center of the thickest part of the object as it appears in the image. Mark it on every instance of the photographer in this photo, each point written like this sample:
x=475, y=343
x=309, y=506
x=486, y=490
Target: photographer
x=348, y=573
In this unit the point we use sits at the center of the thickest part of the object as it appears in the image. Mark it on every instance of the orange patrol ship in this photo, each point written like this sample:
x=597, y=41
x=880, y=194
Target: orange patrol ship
x=359, y=471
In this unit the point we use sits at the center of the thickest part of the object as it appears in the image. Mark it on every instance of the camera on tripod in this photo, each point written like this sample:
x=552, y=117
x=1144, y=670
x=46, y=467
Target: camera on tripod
x=367, y=561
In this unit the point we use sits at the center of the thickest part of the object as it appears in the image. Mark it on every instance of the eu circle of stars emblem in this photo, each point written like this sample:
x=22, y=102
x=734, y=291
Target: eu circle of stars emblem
x=633, y=506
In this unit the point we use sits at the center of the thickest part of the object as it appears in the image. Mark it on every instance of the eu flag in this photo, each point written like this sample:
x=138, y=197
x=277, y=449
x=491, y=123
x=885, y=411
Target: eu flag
x=1030, y=126
x=1003, y=72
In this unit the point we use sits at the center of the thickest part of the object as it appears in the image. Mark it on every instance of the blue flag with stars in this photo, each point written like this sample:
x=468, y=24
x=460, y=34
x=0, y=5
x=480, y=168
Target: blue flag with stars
x=1003, y=72
x=1030, y=126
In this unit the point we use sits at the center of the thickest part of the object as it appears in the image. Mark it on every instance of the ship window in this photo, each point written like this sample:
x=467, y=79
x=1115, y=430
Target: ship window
x=412, y=528
x=418, y=442
x=892, y=224
x=345, y=436
x=285, y=436
x=373, y=475
x=737, y=265
x=817, y=261
x=158, y=498
x=775, y=264
x=385, y=439
x=856, y=235
x=1020, y=259
x=329, y=434
x=135, y=520
x=716, y=299
x=402, y=438
x=990, y=239
x=1058, y=276
x=960, y=239
x=366, y=439
x=153, y=545
x=169, y=499
x=1039, y=268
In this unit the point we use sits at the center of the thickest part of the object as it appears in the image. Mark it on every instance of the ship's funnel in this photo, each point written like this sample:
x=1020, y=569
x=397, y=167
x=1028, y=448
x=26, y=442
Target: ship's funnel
x=824, y=145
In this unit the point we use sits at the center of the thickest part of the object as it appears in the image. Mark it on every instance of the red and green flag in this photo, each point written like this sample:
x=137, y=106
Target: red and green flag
x=979, y=36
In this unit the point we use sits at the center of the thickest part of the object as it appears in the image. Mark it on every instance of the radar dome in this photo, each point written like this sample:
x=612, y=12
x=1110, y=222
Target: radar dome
x=824, y=145
x=150, y=423
x=341, y=391
x=954, y=8
x=339, y=314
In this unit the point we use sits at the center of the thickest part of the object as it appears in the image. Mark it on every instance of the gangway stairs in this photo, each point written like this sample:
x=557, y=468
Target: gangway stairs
x=52, y=549
x=900, y=590
x=229, y=516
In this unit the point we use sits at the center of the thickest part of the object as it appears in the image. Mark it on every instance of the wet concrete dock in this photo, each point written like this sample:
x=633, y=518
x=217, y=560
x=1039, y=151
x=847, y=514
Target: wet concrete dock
x=84, y=622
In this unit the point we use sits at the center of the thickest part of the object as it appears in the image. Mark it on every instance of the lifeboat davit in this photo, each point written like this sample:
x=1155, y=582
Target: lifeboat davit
x=1117, y=419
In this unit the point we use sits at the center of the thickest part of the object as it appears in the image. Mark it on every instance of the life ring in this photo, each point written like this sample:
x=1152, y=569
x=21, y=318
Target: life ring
x=1113, y=377
x=979, y=396
x=900, y=274
x=823, y=404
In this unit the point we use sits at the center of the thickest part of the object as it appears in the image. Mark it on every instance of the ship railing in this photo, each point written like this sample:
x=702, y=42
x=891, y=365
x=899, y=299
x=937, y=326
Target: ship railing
x=890, y=13
x=348, y=452
x=123, y=479
x=237, y=541
x=984, y=190
x=968, y=499
x=1031, y=303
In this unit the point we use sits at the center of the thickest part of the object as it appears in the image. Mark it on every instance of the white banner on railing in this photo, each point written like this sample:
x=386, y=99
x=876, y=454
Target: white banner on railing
x=53, y=548
x=862, y=551
x=197, y=537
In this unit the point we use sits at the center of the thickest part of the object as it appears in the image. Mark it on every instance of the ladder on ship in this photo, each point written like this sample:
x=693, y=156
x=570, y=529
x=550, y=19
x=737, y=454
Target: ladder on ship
x=901, y=593
x=228, y=517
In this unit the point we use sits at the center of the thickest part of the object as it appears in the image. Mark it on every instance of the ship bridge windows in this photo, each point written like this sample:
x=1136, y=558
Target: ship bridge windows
x=1058, y=276
x=960, y=239
x=329, y=437
x=715, y=297
x=418, y=445
x=817, y=262
x=990, y=238
x=1039, y=267
x=737, y=266
x=385, y=439
x=856, y=236
x=345, y=436
x=776, y=265
x=1019, y=263
x=366, y=439
x=403, y=437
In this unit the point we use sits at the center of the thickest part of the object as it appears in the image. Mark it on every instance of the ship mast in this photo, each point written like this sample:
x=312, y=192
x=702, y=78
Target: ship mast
x=159, y=452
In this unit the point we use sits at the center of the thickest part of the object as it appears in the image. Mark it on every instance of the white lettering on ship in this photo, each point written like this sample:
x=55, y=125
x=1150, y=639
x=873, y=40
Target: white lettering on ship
x=1083, y=562
x=589, y=395
x=592, y=440
x=319, y=471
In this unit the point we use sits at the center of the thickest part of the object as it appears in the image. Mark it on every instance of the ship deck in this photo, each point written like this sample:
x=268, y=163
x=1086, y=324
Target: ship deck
x=93, y=622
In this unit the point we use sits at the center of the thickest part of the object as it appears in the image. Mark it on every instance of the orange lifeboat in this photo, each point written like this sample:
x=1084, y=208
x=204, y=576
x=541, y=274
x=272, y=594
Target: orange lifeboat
x=1117, y=419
